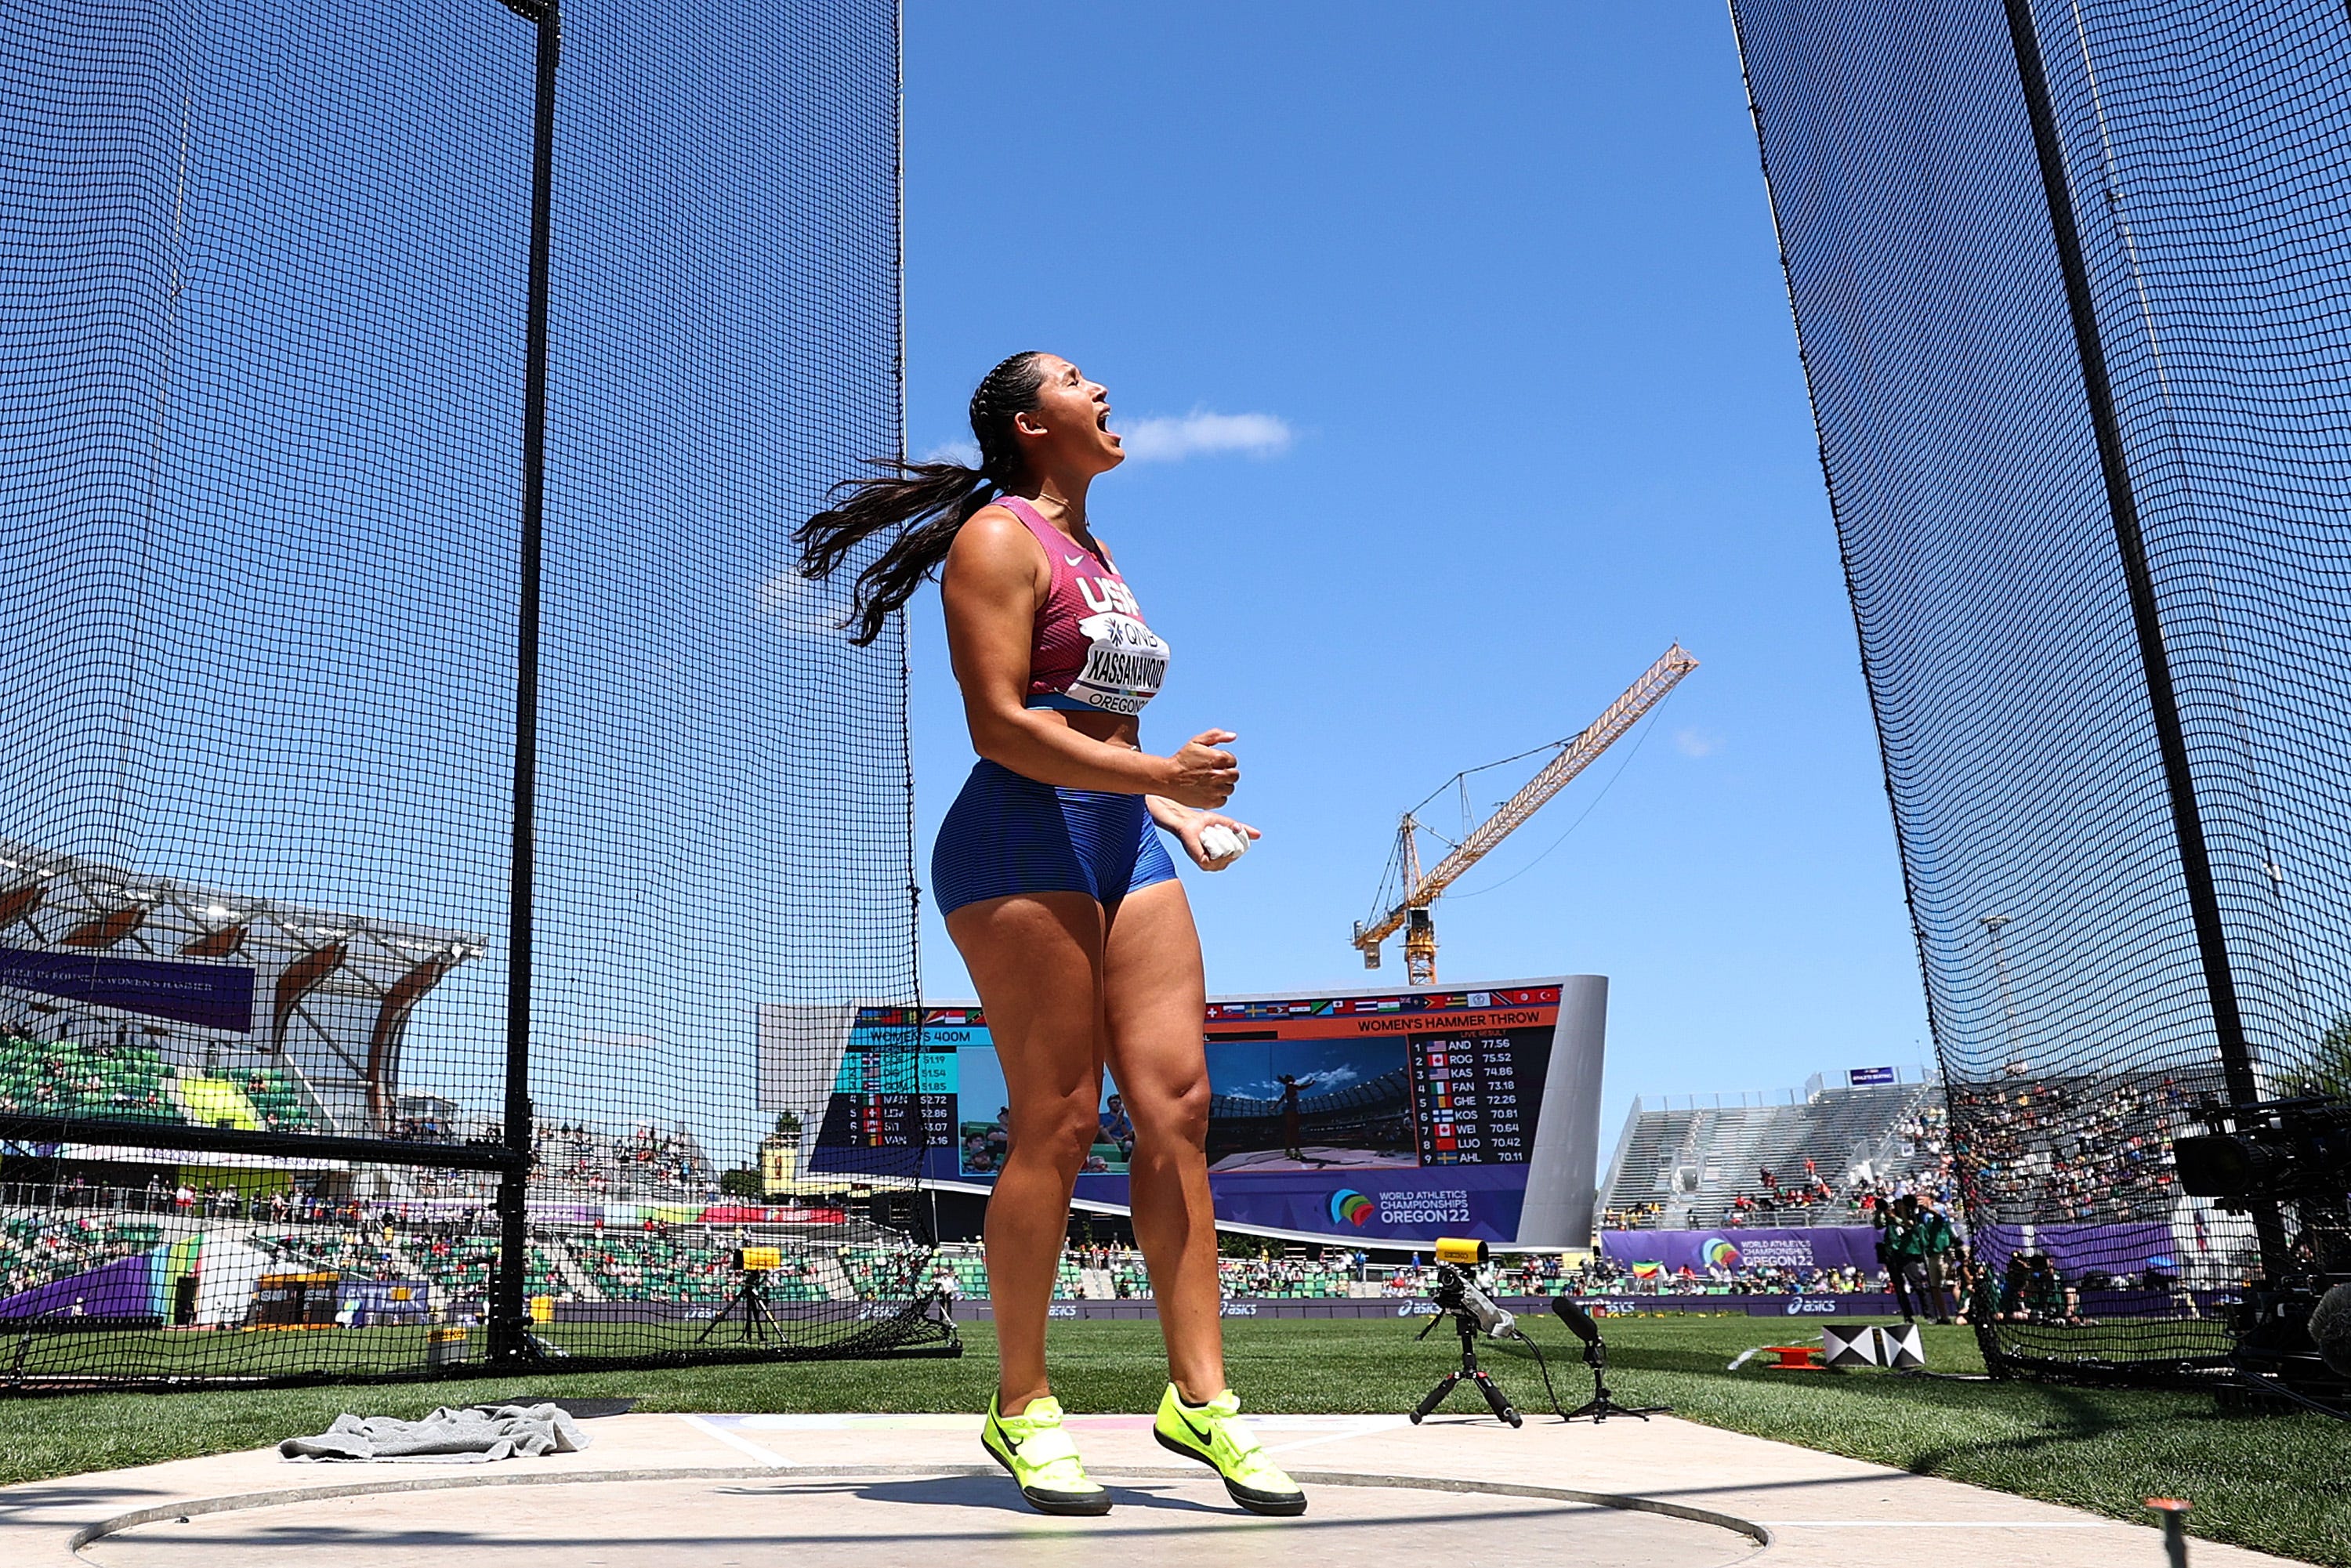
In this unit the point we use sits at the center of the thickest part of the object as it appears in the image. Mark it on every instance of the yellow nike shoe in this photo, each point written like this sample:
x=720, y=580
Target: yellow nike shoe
x=1215, y=1435
x=1041, y=1459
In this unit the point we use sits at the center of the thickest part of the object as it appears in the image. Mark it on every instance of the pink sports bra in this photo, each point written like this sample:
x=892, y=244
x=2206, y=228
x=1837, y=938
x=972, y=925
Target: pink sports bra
x=1090, y=652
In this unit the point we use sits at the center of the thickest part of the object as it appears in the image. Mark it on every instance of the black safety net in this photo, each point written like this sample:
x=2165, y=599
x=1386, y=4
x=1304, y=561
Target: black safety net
x=2050, y=850
x=266, y=293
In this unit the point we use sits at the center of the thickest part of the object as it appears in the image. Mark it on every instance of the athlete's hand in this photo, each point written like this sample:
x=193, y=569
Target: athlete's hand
x=1204, y=775
x=1194, y=823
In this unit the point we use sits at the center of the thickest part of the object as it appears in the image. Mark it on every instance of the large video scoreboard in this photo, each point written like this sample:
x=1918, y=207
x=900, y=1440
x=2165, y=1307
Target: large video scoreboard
x=1376, y=1115
x=891, y=1092
x=1479, y=1095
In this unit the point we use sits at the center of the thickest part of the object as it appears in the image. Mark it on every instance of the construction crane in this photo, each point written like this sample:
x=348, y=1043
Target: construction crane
x=1578, y=752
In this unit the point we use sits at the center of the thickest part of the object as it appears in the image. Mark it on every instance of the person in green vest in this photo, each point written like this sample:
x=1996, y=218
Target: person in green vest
x=1938, y=1248
x=1904, y=1248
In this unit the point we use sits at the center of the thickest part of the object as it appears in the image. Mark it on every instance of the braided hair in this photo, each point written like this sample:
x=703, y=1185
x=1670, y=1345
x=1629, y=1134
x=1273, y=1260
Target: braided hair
x=927, y=503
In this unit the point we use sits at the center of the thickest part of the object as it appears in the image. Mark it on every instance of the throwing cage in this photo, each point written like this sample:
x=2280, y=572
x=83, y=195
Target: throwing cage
x=444, y=838
x=2076, y=316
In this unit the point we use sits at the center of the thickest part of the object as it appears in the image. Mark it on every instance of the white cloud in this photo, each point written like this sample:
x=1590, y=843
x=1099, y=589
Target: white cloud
x=1696, y=743
x=963, y=451
x=1204, y=435
x=1330, y=1078
x=800, y=608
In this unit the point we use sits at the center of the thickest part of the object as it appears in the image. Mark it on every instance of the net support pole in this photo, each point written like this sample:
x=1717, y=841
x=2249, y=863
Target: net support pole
x=2122, y=503
x=510, y=1340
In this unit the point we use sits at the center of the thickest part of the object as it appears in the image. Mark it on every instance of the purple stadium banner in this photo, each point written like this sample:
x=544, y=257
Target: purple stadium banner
x=1411, y=1307
x=1810, y=1247
x=209, y=996
x=2079, y=1249
x=374, y=1303
x=123, y=1288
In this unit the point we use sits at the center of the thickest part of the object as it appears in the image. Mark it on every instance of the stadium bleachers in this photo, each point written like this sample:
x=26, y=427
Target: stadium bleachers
x=652, y=1267
x=1697, y=1163
x=64, y=1078
x=133, y=1081
x=1108, y=1273
x=37, y=1247
x=2087, y=1147
x=650, y=1162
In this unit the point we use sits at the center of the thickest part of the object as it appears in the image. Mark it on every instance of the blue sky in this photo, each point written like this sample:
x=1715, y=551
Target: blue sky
x=1496, y=292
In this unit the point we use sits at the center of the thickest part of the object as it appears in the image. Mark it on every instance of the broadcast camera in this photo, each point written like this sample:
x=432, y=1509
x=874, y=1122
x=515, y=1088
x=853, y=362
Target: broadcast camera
x=756, y=1320
x=2274, y=1152
x=1473, y=1312
x=2295, y=1324
x=1457, y=1290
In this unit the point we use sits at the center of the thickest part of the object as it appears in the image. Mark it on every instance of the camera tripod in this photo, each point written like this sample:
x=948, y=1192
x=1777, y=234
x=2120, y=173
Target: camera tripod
x=758, y=1321
x=1469, y=1371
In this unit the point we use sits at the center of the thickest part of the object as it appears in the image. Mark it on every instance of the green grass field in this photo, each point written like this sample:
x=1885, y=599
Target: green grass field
x=2273, y=1483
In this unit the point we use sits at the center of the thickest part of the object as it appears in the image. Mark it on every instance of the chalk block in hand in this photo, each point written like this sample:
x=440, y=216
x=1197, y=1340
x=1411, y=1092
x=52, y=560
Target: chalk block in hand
x=1222, y=843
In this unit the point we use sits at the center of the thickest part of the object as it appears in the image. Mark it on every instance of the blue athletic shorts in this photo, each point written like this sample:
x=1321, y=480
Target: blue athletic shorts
x=1006, y=833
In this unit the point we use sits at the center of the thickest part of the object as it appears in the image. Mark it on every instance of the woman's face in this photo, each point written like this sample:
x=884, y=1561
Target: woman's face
x=1070, y=426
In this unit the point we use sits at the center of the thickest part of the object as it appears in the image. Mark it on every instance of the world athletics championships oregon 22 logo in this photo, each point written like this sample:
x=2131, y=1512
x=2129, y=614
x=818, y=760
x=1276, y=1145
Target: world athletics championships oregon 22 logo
x=1720, y=1253
x=1352, y=1207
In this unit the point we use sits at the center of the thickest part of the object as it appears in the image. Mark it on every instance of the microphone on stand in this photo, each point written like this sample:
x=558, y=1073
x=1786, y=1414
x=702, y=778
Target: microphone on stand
x=1578, y=1320
x=1602, y=1403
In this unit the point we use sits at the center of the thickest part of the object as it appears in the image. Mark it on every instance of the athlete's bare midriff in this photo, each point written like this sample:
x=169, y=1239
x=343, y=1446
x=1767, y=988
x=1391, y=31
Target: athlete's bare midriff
x=1121, y=729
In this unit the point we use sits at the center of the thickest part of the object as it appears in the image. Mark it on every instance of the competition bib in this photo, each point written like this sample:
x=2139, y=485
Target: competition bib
x=1125, y=663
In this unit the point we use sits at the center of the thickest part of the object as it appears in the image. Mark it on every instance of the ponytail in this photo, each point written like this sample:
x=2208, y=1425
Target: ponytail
x=927, y=503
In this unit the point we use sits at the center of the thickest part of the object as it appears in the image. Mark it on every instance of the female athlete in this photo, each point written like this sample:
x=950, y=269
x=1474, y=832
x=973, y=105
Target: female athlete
x=1060, y=896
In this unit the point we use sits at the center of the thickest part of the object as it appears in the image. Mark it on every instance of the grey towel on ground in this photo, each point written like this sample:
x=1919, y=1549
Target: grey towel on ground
x=465, y=1435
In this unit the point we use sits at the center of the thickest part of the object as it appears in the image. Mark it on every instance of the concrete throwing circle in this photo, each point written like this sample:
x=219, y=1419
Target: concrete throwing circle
x=856, y=1519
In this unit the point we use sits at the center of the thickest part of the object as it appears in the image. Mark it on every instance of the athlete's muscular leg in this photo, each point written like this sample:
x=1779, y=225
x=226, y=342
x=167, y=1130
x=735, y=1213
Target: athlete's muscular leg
x=1154, y=1000
x=1036, y=958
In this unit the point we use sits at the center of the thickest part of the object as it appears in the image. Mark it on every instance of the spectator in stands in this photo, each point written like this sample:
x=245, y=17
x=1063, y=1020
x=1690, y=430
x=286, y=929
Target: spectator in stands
x=2048, y=1297
x=1116, y=1128
x=1979, y=1302
x=2012, y=1304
